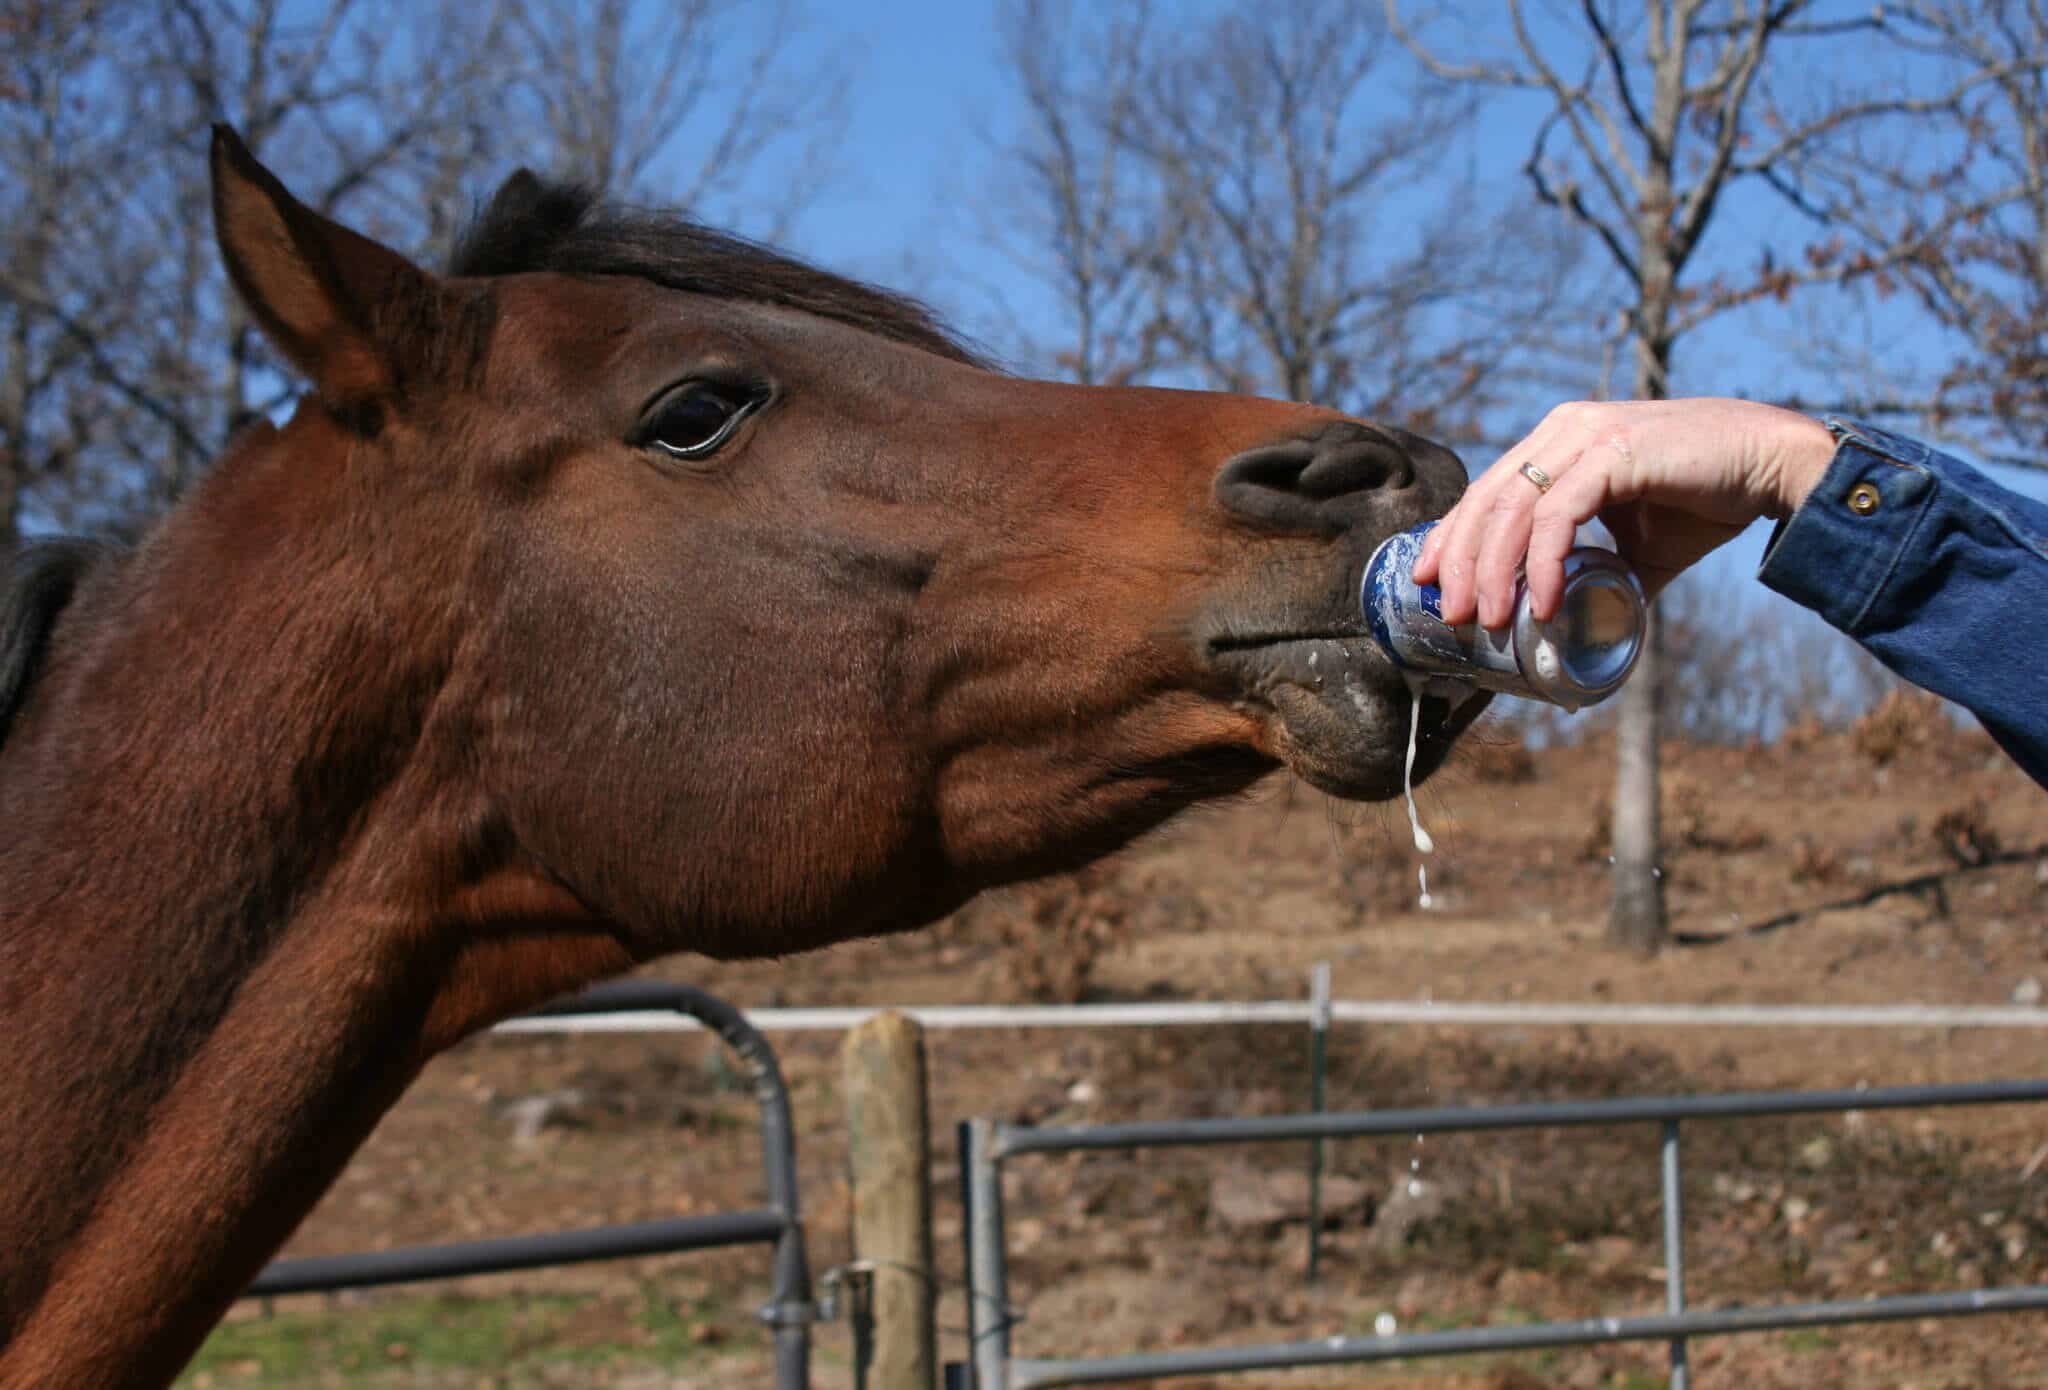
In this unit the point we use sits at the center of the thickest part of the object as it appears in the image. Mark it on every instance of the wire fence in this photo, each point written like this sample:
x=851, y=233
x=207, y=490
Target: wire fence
x=986, y=1145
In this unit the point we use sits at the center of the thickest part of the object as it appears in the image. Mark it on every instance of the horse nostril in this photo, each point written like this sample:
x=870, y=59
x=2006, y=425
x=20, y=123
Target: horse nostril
x=1316, y=483
x=1362, y=464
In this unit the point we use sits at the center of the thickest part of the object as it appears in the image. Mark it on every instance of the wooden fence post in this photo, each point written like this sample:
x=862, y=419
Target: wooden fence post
x=888, y=1141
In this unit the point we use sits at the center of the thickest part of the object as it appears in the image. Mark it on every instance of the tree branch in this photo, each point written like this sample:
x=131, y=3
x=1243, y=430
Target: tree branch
x=1569, y=101
x=1568, y=199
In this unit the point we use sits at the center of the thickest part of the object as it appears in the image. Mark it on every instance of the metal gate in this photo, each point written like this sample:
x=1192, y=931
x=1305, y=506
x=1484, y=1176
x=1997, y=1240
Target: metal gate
x=789, y=1310
x=985, y=1145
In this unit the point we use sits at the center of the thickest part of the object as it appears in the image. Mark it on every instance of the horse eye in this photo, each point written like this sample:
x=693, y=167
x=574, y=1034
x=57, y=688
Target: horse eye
x=694, y=419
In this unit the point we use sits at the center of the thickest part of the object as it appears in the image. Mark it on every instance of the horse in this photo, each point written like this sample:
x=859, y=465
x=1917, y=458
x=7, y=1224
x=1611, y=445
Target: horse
x=627, y=589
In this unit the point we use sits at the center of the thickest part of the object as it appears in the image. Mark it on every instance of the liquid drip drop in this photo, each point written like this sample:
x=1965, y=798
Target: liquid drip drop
x=1422, y=840
x=1423, y=843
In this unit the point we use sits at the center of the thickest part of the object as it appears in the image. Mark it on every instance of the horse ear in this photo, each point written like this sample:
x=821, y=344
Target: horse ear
x=318, y=289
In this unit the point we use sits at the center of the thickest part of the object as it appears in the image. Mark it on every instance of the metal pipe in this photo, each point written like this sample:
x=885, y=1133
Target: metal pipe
x=1674, y=1251
x=988, y=1285
x=789, y=1311
x=1010, y=1140
x=1330, y=1351
x=325, y=1273
x=1438, y=1013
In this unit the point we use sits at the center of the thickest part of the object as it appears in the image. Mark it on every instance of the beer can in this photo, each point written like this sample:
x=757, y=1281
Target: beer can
x=1577, y=658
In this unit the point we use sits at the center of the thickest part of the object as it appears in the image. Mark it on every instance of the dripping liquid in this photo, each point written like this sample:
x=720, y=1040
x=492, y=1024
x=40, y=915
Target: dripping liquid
x=1423, y=843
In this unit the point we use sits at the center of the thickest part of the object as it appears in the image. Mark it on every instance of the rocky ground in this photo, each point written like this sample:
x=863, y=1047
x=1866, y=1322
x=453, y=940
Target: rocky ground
x=1899, y=861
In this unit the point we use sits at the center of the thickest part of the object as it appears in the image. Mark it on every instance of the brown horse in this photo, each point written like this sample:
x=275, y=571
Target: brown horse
x=629, y=590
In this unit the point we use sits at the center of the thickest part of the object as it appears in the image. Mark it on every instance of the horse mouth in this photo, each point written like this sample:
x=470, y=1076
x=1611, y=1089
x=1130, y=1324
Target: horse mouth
x=1336, y=710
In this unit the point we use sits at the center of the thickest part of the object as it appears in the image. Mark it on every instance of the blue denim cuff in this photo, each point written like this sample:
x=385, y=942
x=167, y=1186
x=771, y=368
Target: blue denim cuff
x=1836, y=553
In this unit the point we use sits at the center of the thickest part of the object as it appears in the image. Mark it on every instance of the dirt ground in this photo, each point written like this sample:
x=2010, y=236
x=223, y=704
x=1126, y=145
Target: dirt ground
x=1118, y=1252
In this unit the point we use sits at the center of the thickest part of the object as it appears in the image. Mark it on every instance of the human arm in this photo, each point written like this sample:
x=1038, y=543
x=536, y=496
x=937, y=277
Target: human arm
x=1944, y=578
x=1937, y=570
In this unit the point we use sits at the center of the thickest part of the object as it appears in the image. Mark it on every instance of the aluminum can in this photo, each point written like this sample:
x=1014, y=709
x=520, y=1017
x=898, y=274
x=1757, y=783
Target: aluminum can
x=1578, y=658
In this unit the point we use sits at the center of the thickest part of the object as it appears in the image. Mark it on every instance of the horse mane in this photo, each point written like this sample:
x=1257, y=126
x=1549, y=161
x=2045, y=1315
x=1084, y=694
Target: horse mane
x=40, y=579
x=533, y=224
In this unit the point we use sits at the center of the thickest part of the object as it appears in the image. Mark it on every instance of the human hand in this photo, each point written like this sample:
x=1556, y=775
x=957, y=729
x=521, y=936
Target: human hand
x=1670, y=479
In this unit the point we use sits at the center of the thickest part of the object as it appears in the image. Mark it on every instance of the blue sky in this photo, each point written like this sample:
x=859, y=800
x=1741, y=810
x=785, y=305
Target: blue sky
x=928, y=92
x=926, y=81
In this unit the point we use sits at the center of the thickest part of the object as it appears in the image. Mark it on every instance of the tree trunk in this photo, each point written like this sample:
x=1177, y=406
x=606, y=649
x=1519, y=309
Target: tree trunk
x=1635, y=917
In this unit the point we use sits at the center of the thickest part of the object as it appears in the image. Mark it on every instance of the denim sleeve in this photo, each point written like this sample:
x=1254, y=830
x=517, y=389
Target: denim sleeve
x=1938, y=571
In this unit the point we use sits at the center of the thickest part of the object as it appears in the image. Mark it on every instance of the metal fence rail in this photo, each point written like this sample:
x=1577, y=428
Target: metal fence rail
x=1183, y=1013
x=789, y=1310
x=985, y=1145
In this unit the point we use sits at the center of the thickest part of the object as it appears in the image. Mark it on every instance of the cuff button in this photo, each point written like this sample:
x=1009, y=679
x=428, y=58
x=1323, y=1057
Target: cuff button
x=1864, y=498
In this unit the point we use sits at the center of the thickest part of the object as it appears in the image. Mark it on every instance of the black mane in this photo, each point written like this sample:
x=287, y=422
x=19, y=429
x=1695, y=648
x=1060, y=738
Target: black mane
x=36, y=582
x=534, y=225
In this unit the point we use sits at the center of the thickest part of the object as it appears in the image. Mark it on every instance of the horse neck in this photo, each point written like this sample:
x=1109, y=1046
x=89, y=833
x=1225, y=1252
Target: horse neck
x=209, y=978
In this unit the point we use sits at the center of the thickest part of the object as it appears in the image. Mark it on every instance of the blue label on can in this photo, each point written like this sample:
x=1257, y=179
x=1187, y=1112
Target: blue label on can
x=1389, y=589
x=1407, y=619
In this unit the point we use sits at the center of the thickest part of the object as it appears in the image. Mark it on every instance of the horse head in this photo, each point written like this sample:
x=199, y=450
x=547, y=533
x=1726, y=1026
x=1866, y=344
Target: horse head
x=776, y=615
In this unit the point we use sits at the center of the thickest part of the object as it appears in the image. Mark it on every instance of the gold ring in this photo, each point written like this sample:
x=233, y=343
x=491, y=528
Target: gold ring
x=1537, y=476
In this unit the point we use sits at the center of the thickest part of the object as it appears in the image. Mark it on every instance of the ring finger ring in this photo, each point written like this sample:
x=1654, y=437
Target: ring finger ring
x=1537, y=476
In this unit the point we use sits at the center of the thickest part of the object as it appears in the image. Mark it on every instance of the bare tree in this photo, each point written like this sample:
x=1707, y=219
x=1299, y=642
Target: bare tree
x=378, y=125
x=124, y=360
x=1955, y=220
x=1239, y=205
x=1652, y=115
x=56, y=385
x=1073, y=212
x=680, y=99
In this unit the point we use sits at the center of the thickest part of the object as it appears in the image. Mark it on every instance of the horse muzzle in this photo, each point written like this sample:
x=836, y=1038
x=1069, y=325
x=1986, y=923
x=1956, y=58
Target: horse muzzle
x=1289, y=636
